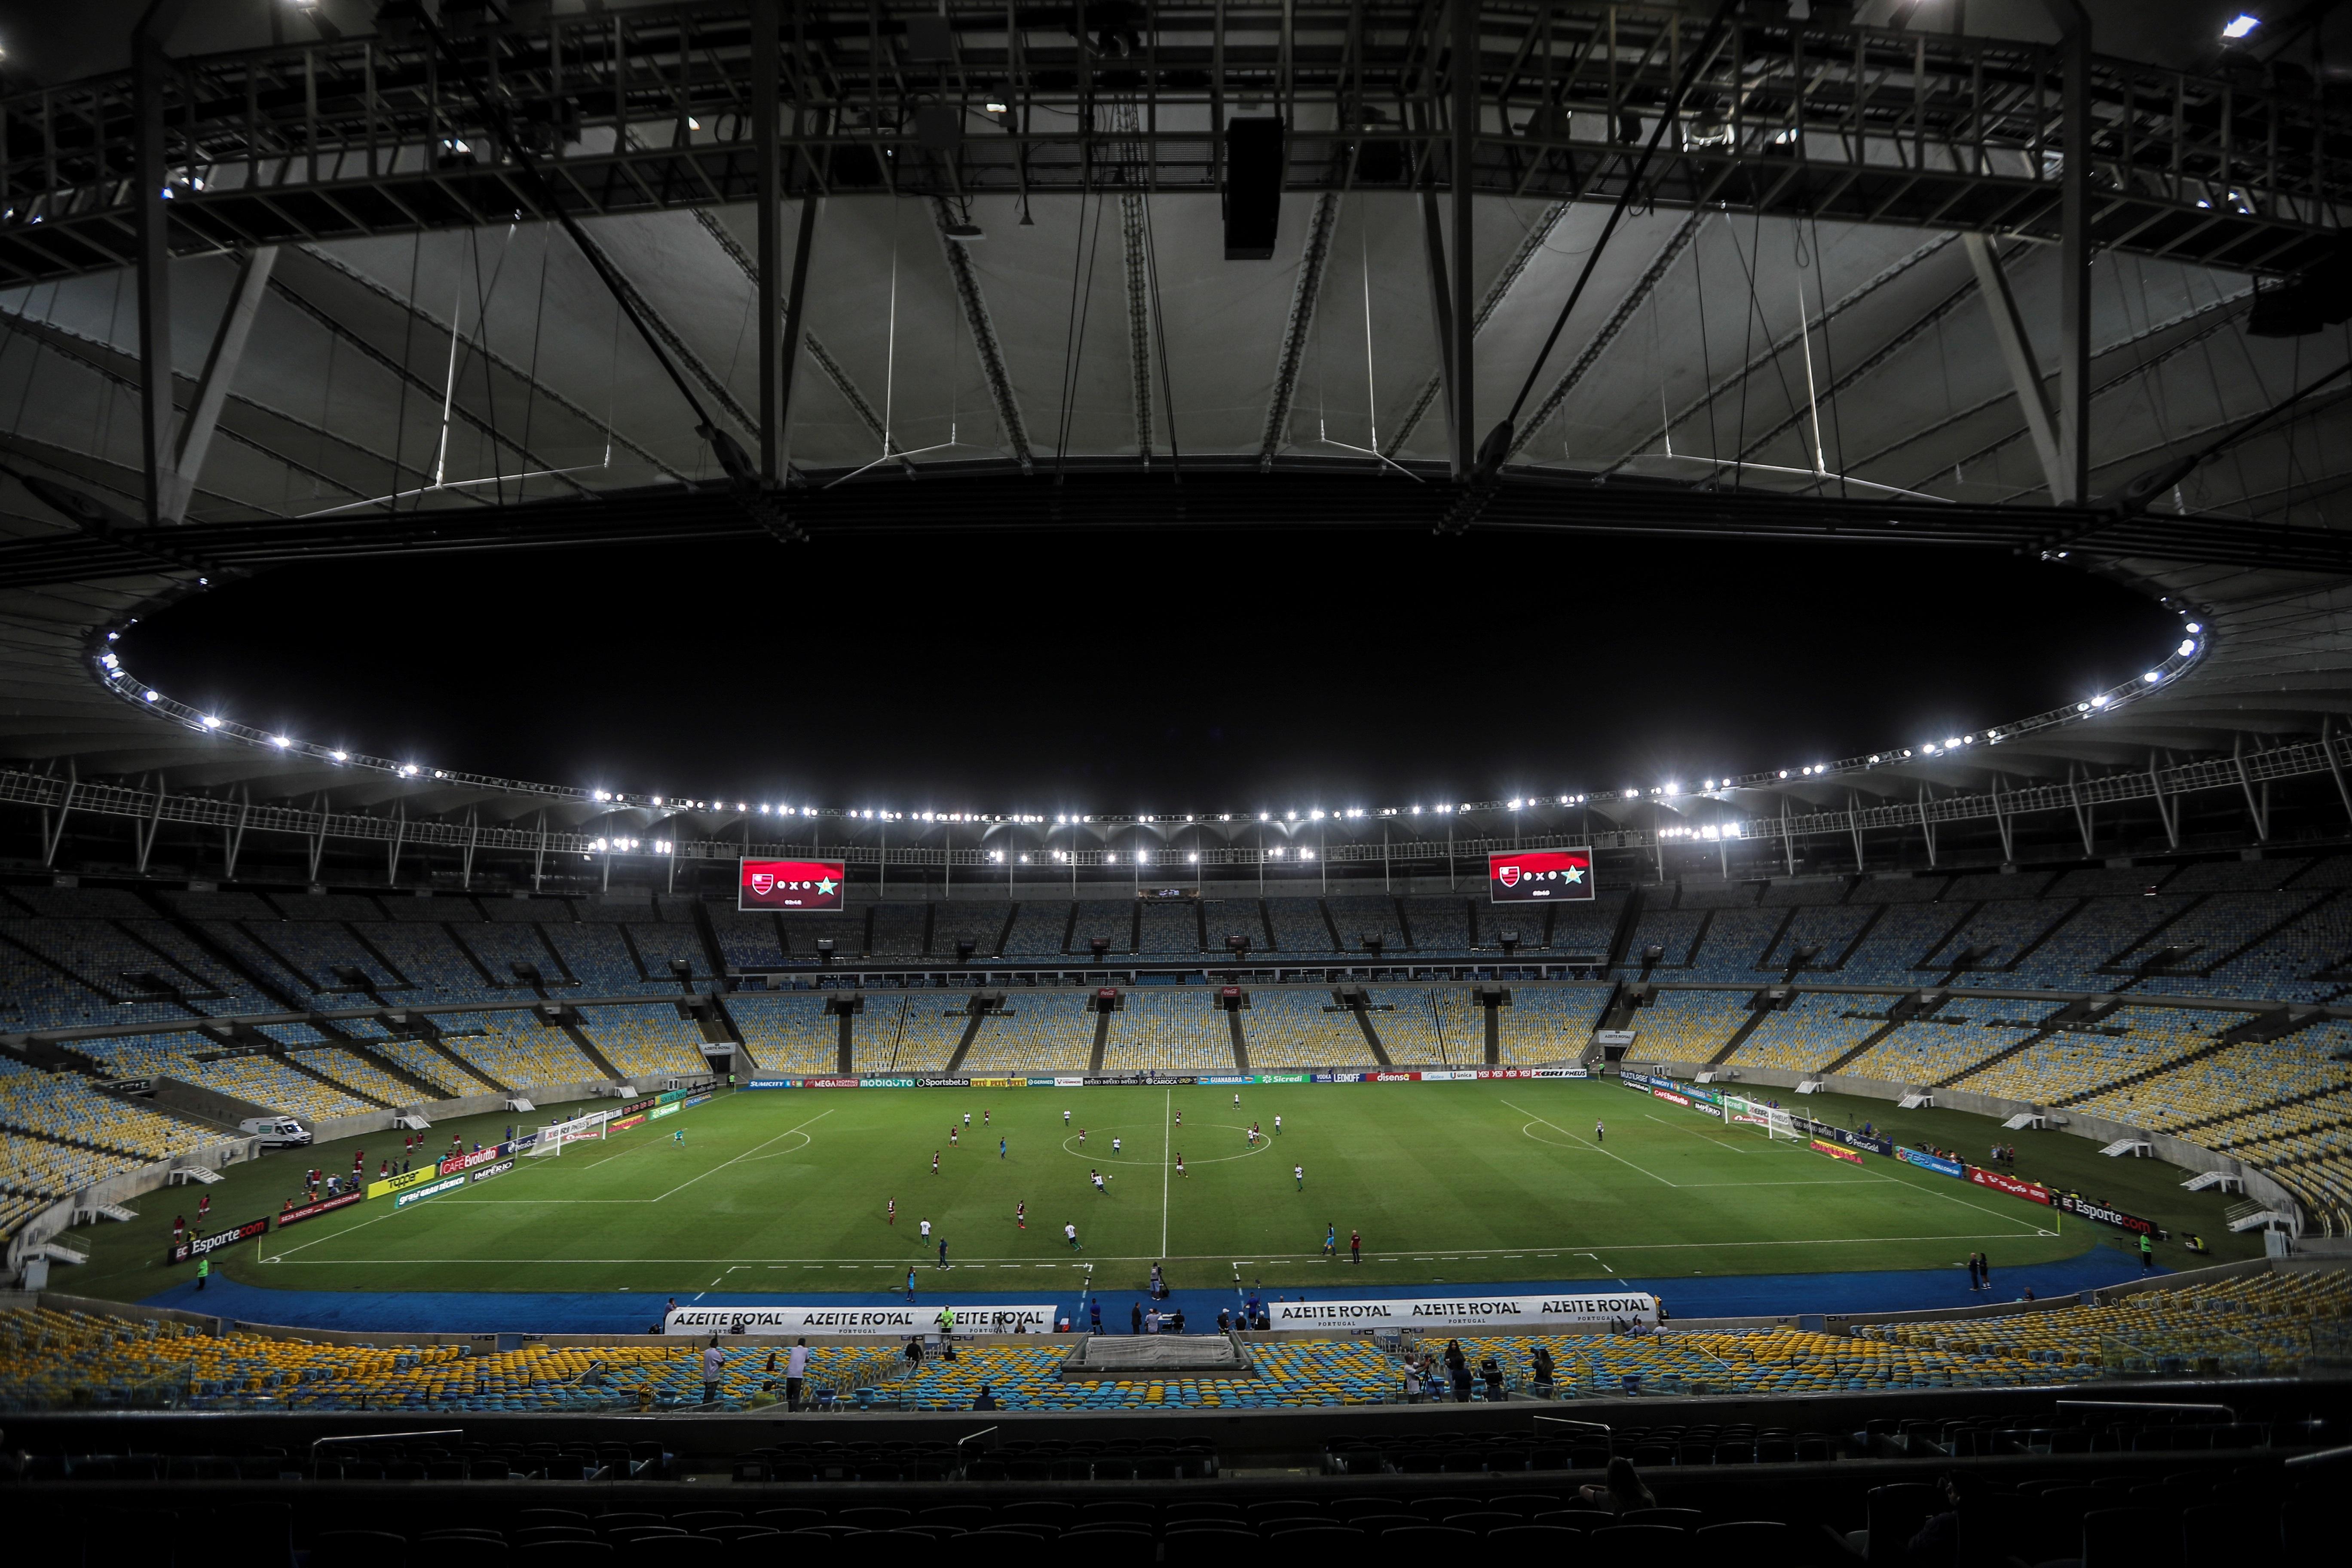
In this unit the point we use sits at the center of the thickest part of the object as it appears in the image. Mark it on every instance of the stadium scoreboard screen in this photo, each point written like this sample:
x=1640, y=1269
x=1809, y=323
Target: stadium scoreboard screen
x=790, y=885
x=1539, y=876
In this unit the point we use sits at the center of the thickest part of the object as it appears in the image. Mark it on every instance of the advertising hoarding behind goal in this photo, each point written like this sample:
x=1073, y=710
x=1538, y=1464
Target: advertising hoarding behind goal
x=789, y=884
x=1529, y=876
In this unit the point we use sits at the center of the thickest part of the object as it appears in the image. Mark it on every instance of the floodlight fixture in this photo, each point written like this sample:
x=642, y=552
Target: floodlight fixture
x=2238, y=26
x=2153, y=676
x=280, y=742
x=339, y=756
x=211, y=722
x=2188, y=647
x=1193, y=858
x=152, y=696
x=1306, y=854
x=2194, y=627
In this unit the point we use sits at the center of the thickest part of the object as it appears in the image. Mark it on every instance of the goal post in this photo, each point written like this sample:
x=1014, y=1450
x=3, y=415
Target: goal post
x=1776, y=1123
x=552, y=1137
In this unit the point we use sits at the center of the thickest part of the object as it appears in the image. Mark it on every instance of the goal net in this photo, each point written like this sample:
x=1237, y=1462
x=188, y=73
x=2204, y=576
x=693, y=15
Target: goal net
x=1775, y=1121
x=556, y=1135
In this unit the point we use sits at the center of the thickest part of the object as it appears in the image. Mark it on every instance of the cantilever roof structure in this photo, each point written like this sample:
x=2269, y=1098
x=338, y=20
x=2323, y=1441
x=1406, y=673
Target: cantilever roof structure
x=1019, y=317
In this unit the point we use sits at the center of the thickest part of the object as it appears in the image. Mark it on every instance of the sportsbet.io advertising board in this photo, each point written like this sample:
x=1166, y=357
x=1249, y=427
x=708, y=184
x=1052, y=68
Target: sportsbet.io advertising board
x=1533, y=876
x=791, y=884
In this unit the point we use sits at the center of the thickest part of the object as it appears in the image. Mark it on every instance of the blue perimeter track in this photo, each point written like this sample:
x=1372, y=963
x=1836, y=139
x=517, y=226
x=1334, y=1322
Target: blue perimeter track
x=633, y=1312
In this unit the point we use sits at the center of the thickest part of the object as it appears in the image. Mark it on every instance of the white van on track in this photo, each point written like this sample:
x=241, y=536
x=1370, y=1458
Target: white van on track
x=276, y=1131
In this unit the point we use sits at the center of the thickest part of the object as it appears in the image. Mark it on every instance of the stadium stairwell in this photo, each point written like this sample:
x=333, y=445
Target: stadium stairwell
x=1491, y=1005
x=1102, y=1041
x=1755, y=1018
x=1241, y=1043
x=579, y=1038
x=2220, y=1043
x=338, y=1085
x=1865, y=1043
x=392, y=1069
x=1622, y=937
x=1364, y=1021
x=2072, y=1013
x=194, y=933
x=431, y=1039
x=972, y=1032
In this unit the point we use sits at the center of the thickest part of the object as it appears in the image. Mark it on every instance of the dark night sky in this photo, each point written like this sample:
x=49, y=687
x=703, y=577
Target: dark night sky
x=1126, y=675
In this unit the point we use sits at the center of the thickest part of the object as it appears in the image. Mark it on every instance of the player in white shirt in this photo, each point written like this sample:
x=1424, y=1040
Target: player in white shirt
x=1065, y=1118
x=1277, y=1124
x=1114, y=1144
x=927, y=1230
x=1072, y=1232
x=1096, y=1176
x=1298, y=1172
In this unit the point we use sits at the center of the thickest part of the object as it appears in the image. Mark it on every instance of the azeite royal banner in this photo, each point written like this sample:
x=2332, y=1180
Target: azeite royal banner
x=313, y=1211
x=198, y=1246
x=1448, y=1313
x=1526, y=876
x=791, y=885
x=1034, y=1320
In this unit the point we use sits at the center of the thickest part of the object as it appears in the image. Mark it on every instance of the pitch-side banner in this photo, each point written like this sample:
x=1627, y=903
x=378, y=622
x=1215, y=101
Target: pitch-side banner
x=896, y=1320
x=198, y=1246
x=2003, y=1182
x=791, y=884
x=1451, y=1313
x=1528, y=876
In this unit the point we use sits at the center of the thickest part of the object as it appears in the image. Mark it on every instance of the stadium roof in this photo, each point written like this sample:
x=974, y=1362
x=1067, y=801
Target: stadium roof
x=1796, y=333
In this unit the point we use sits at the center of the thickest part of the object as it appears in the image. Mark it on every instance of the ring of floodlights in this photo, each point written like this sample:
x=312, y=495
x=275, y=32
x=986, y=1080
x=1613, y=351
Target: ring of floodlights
x=111, y=673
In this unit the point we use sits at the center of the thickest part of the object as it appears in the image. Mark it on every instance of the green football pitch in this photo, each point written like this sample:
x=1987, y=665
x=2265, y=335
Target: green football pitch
x=786, y=1191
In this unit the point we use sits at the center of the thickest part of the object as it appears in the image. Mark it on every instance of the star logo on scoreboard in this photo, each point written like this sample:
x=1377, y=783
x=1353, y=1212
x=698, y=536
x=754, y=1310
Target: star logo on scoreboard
x=826, y=885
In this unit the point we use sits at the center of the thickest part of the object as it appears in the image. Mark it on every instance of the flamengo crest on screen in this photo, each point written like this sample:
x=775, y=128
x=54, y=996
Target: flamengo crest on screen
x=789, y=884
x=1526, y=876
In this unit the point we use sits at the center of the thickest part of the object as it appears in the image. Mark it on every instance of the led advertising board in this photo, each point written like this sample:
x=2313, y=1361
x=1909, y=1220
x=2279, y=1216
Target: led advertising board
x=1532, y=876
x=790, y=885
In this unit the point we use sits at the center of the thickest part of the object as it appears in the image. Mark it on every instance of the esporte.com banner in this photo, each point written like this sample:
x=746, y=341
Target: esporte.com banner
x=1466, y=1312
x=197, y=1246
x=2105, y=1216
x=1032, y=1320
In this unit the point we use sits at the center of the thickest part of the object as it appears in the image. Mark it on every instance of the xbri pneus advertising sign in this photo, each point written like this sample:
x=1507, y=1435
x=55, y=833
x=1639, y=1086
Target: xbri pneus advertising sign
x=198, y=1246
x=1928, y=1161
x=313, y=1211
x=893, y=1321
x=1448, y=1313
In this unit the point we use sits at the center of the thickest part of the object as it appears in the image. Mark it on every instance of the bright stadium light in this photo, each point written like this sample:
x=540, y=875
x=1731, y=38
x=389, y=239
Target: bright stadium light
x=1274, y=853
x=1950, y=741
x=153, y=696
x=1024, y=859
x=1416, y=811
x=1306, y=854
x=338, y=756
x=1193, y=858
x=997, y=856
x=1674, y=789
x=1290, y=816
x=2153, y=676
x=211, y=722
x=2194, y=627
x=2188, y=646
x=657, y=800
x=280, y=742
x=2238, y=26
x=2100, y=701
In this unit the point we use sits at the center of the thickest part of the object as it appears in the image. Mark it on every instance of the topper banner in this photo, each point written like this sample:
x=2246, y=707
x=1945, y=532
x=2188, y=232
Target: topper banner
x=1448, y=1313
x=893, y=1321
